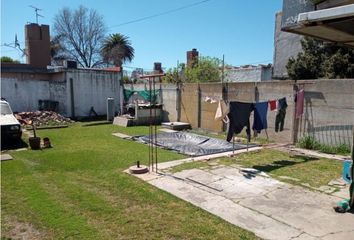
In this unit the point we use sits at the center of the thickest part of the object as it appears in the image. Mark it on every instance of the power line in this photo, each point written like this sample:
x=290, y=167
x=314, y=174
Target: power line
x=160, y=14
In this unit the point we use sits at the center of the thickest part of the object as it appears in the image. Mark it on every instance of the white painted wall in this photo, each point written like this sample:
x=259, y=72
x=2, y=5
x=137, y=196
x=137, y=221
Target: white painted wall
x=249, y=74
x=23, y=94
x=91, y=89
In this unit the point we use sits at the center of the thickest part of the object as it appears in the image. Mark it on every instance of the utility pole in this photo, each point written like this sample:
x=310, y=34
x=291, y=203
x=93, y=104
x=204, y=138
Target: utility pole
x=37, y=14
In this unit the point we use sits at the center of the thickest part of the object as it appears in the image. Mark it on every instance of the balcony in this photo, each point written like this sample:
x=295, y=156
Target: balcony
x=329, y=20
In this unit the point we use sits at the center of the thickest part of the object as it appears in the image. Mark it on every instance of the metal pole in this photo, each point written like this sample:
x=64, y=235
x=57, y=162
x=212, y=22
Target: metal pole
x=233, y=144
x=223, y=66
x=155, y=127
x=151, y=150
x=351, y=188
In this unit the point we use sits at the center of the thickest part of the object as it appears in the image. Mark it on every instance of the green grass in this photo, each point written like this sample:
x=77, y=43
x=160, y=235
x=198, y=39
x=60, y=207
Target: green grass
x=258, y=140
x=313, y=171
x=309, y=142
x=77, y=190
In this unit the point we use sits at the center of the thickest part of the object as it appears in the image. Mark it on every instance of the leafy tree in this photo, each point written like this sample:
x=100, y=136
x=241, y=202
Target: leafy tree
x=321, y=60
x=207, y=69
x=81, y=33
x=8, y=59
x=117, y=49
x=175, y=75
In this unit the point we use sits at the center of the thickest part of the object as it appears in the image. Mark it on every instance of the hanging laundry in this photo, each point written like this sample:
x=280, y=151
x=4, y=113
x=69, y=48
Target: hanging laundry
x=300, y=95
x=280, y=117
x=239, y=116
x=260, y=116
x=273, y=105
x=222, y=111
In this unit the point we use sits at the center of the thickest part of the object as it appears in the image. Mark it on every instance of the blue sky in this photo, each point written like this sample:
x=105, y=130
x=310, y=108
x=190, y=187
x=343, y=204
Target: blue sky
x=241, y=30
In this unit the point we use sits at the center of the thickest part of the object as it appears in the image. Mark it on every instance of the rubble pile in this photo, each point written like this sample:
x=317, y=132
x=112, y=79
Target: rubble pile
x=40, y=118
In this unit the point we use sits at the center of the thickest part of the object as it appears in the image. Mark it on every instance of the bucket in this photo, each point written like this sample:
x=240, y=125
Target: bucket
x=346, y=171
x=35, y=143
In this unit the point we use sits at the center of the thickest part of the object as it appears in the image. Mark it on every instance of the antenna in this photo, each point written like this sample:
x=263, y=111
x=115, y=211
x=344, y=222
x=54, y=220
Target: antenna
x=16, y=45
x=36, y=10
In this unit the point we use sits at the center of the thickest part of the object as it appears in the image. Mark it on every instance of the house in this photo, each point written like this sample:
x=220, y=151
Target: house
x=67, y=89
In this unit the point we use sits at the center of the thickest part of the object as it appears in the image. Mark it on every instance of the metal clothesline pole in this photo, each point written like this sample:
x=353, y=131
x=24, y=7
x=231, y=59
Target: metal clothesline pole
x=152, y=116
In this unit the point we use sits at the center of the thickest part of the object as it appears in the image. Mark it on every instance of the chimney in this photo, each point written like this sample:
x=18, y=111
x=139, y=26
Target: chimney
x=157, y=67
x=37, y=45
x=192, y=57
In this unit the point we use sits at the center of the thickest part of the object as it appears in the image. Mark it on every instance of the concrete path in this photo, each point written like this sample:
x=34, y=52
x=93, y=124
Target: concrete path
x=5, y=157
x=269, y=208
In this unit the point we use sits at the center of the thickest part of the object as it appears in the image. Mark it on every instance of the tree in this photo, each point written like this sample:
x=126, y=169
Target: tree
x=57, y=50
x=207, y=69
x=81, y=33
x=117, y=49
x=321, y=60
x=8, y=59
x=175, y=75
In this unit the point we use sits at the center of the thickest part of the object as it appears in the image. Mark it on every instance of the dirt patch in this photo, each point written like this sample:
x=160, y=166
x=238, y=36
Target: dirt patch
x=14, y=229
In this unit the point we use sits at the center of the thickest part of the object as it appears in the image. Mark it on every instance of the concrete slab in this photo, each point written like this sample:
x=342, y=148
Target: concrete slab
x=342, y=193
x=167, y=130
x=121, y=135
x=339, y=235
x=6, y=157
x=269, y=208
x=305, y=236
x=310, y=211
x=198, y=175
x=262, y=225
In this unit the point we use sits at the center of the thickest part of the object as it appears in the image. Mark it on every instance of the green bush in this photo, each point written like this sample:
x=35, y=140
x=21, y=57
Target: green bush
x=309, y=142
x=343, y=149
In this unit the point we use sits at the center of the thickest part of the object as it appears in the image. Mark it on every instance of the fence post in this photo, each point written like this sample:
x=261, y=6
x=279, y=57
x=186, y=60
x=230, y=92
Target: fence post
x=199, y=106
x=178, y=101
x=295, y=124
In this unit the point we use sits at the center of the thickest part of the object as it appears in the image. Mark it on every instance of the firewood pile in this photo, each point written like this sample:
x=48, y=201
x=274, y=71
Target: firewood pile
x=41, y=118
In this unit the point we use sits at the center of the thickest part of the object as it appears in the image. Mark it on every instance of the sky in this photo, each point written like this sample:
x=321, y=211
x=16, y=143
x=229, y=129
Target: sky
x=242, y=31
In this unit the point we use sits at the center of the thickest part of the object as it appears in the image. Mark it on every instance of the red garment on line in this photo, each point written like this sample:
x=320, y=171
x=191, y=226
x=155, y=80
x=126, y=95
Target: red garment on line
x=272, y=105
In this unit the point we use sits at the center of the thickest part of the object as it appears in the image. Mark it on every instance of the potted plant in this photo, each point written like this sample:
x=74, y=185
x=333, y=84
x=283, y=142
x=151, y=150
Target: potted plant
x=34, y=142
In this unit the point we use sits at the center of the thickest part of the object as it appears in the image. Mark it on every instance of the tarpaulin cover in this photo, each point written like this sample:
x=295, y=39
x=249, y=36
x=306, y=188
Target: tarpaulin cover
x=144, y=93
x=192, y=144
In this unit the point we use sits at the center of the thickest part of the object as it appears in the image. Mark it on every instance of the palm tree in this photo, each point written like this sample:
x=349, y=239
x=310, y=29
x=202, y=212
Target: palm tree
x=117, y=49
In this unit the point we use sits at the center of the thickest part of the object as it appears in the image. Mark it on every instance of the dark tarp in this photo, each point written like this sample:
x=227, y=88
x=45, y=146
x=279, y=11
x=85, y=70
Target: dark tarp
x=192, y=144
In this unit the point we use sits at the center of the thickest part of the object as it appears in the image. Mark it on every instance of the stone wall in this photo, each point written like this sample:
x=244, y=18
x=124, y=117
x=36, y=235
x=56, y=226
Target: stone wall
x=328, y=111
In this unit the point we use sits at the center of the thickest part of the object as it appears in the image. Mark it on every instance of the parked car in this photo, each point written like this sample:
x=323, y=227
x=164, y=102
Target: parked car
x=10, y=126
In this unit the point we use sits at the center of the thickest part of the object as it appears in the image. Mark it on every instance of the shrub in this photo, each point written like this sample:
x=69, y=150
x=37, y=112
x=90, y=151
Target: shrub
x=309, y=142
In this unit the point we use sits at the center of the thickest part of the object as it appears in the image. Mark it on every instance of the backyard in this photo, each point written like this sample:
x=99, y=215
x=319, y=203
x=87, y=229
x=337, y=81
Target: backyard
x=78, y=190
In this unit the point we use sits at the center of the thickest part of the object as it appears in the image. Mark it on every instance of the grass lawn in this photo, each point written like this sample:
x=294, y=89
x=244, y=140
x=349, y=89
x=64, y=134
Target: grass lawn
x=77, y=190
x=313, y=171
